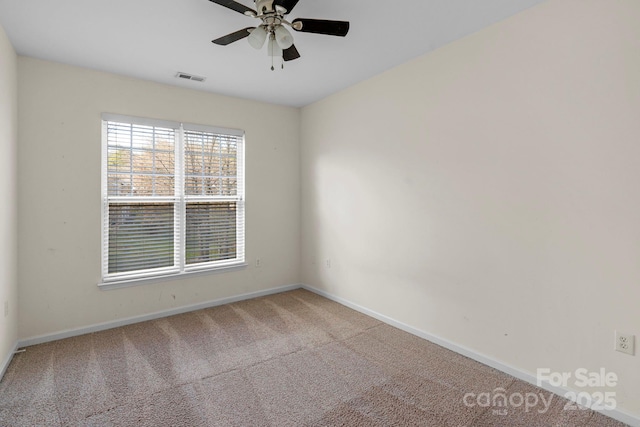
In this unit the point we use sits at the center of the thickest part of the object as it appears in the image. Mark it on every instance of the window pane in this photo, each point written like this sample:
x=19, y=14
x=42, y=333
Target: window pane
x=228, y=166
x=229, y=187
x=119, y=159
x=140, y=236
x=211, y=157
x=193, y=185
x=211, y=186
x=211, y=232
x=141, y=160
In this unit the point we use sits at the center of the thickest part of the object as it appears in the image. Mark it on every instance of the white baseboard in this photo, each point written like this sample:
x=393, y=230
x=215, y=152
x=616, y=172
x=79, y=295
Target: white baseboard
x=152, y=316
x=617, y=414
x=7, y=361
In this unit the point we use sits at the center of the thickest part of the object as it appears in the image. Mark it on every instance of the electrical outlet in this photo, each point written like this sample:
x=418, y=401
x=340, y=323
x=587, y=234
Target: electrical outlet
x=625, y=343
x=328, y=263
x=258, y=263
x=6, y=308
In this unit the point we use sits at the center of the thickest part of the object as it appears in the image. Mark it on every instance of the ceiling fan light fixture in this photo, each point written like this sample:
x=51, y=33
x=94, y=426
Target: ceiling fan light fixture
x=283, y=37
x=257, y=37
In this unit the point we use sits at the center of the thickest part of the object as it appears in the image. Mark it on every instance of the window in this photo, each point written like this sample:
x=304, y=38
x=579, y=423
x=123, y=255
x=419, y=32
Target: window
x=173, y=198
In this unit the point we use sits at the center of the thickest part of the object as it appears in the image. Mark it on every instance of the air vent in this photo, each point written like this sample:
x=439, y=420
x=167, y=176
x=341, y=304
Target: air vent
x=190, y=77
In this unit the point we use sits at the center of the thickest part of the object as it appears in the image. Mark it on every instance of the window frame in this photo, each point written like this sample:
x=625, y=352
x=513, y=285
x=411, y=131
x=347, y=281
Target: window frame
x=180, y=200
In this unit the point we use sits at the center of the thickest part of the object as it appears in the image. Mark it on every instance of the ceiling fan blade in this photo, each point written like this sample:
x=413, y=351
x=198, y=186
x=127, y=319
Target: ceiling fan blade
x=321, y=26
x=287, y=4
x=233, y=37
x=290, y=54
x=234, y=5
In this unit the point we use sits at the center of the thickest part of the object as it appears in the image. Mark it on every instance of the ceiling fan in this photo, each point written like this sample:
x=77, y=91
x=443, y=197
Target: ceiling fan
x=272, y=14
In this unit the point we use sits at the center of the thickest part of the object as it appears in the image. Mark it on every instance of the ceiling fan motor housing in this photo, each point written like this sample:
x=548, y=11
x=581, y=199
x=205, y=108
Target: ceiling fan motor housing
x=272, y=15
x=265, y=7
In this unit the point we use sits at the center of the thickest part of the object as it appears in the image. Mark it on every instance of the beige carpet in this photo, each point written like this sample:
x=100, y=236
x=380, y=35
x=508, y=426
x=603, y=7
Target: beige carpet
x=292, y=359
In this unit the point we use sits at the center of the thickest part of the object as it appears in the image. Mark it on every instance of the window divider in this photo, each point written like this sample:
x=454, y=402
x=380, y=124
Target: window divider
x=181, y=205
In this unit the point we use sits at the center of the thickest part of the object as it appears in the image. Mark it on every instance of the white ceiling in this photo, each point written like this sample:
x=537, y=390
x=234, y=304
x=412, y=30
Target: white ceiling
x=154, y=39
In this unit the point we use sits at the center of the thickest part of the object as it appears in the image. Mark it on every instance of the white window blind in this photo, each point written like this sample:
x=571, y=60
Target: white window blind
x=173, y=198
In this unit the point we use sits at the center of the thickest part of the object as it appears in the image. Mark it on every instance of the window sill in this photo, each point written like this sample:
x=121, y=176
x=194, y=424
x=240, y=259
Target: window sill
x=127, y=283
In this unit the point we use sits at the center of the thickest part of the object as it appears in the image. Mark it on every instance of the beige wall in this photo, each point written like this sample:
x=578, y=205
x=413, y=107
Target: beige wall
x=488, y=193
x=59, y=195
x=8, y=186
